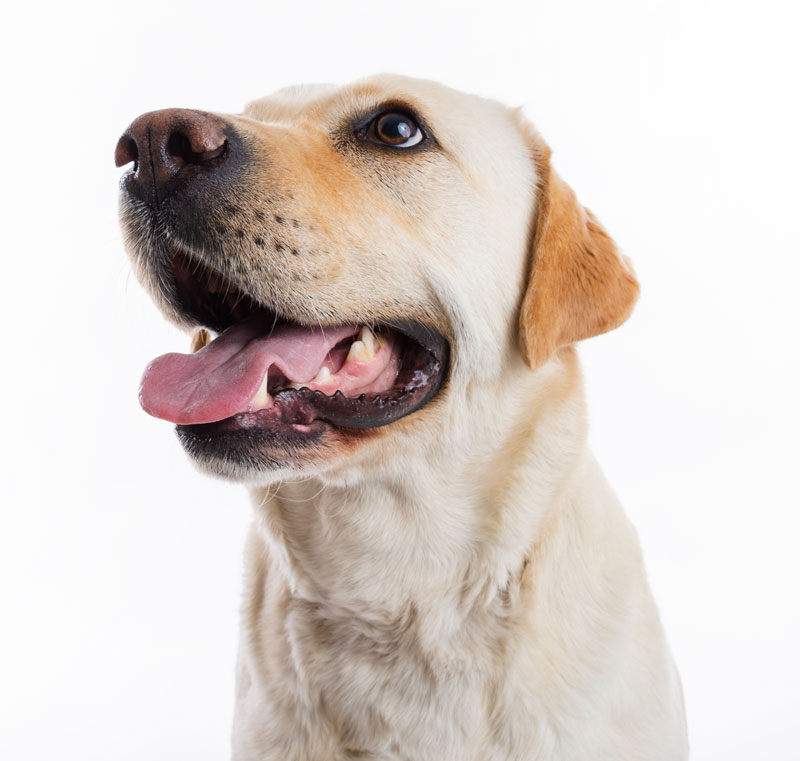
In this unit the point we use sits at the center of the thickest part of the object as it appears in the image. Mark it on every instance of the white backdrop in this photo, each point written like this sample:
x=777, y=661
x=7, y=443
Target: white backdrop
x=676, y=121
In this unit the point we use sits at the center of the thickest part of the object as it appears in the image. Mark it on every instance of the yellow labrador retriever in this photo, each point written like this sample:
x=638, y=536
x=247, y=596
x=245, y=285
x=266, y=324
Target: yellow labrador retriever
x=437, y=569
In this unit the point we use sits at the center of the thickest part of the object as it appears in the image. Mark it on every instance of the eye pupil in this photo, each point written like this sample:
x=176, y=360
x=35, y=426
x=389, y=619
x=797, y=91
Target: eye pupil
x=395, y=128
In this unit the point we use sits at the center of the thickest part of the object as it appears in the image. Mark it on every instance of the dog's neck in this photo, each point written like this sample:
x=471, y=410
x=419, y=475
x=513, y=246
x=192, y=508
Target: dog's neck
x=420, y=537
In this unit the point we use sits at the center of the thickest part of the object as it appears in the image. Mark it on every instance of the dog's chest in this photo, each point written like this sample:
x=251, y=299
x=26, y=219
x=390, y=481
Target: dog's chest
x=386, y=694
x=355, y=689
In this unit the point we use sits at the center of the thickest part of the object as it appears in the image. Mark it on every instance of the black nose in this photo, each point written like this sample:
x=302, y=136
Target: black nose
x=168, y=145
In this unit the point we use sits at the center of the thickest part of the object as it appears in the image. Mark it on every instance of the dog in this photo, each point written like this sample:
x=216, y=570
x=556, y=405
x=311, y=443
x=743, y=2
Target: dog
x=396, y=278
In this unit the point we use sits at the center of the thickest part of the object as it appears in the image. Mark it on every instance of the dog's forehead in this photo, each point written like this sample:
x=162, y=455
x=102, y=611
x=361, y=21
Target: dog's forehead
x=290, y=102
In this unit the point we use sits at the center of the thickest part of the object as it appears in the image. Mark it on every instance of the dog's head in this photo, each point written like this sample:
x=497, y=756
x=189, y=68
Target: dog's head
x=375, y=259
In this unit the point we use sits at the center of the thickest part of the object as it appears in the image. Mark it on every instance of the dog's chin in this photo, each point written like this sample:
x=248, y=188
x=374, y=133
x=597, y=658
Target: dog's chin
x=259, y=456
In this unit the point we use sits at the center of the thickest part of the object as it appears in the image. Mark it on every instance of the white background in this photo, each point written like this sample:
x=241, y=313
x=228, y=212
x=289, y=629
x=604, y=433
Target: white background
x=676, y=121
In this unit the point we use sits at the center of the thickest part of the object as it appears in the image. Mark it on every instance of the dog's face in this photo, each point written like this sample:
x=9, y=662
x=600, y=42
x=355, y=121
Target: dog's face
x=374, y=257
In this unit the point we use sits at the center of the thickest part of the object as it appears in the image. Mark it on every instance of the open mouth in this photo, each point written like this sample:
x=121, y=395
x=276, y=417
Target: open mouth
x=266, y=372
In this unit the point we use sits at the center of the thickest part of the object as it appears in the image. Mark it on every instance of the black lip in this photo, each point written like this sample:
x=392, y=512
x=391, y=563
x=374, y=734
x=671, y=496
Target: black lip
x=232, y=449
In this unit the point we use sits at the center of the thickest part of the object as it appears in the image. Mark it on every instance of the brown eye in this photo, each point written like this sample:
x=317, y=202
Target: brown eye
x=396, y=129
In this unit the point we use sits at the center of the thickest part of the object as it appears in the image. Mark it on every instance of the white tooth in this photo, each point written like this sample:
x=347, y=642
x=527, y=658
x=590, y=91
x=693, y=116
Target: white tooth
x=323, y=376
x=367, y=337
x=262, y=397
x=359, y=352
x=366, y=347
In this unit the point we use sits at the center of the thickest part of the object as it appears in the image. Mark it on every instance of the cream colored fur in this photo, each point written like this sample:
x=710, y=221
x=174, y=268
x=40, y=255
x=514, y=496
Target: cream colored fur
x=481, y=598
x=463, y=586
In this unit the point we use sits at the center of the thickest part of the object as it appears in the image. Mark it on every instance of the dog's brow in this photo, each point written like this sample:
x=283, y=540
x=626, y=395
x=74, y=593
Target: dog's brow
x=365, y=97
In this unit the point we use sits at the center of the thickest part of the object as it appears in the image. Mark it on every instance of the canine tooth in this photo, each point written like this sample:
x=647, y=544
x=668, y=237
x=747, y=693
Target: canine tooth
x=367, y=337
x=359, y=352
x=366, y=347
x=262, y=397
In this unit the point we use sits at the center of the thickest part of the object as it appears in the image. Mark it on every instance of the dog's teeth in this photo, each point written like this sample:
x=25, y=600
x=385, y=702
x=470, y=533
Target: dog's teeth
x=262, y=397
x=367, y=337
x=366, y=347
x=324, y=376
x=358, y=352
x=200, y=338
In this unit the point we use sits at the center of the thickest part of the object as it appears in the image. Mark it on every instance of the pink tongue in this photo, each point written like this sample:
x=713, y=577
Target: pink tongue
x=220, y=380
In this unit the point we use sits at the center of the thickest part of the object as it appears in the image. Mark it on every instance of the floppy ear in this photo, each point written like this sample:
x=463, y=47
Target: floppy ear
x=579, y=285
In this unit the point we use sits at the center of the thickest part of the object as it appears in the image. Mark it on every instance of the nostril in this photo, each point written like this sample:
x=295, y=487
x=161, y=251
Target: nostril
x=126, y=151
x=181, y=148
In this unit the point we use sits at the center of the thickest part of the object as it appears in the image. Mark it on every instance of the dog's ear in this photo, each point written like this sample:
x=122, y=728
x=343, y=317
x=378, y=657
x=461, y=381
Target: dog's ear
x=579, y=285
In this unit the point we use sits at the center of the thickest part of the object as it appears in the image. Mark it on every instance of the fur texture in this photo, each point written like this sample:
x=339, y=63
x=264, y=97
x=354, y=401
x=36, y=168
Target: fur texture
x=461, y=584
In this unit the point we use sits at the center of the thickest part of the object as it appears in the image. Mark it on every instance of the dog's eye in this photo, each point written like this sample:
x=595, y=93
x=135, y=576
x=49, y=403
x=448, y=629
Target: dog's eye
x=396, y=129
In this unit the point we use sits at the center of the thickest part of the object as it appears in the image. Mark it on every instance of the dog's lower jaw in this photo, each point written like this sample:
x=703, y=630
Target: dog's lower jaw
x=386, y=620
